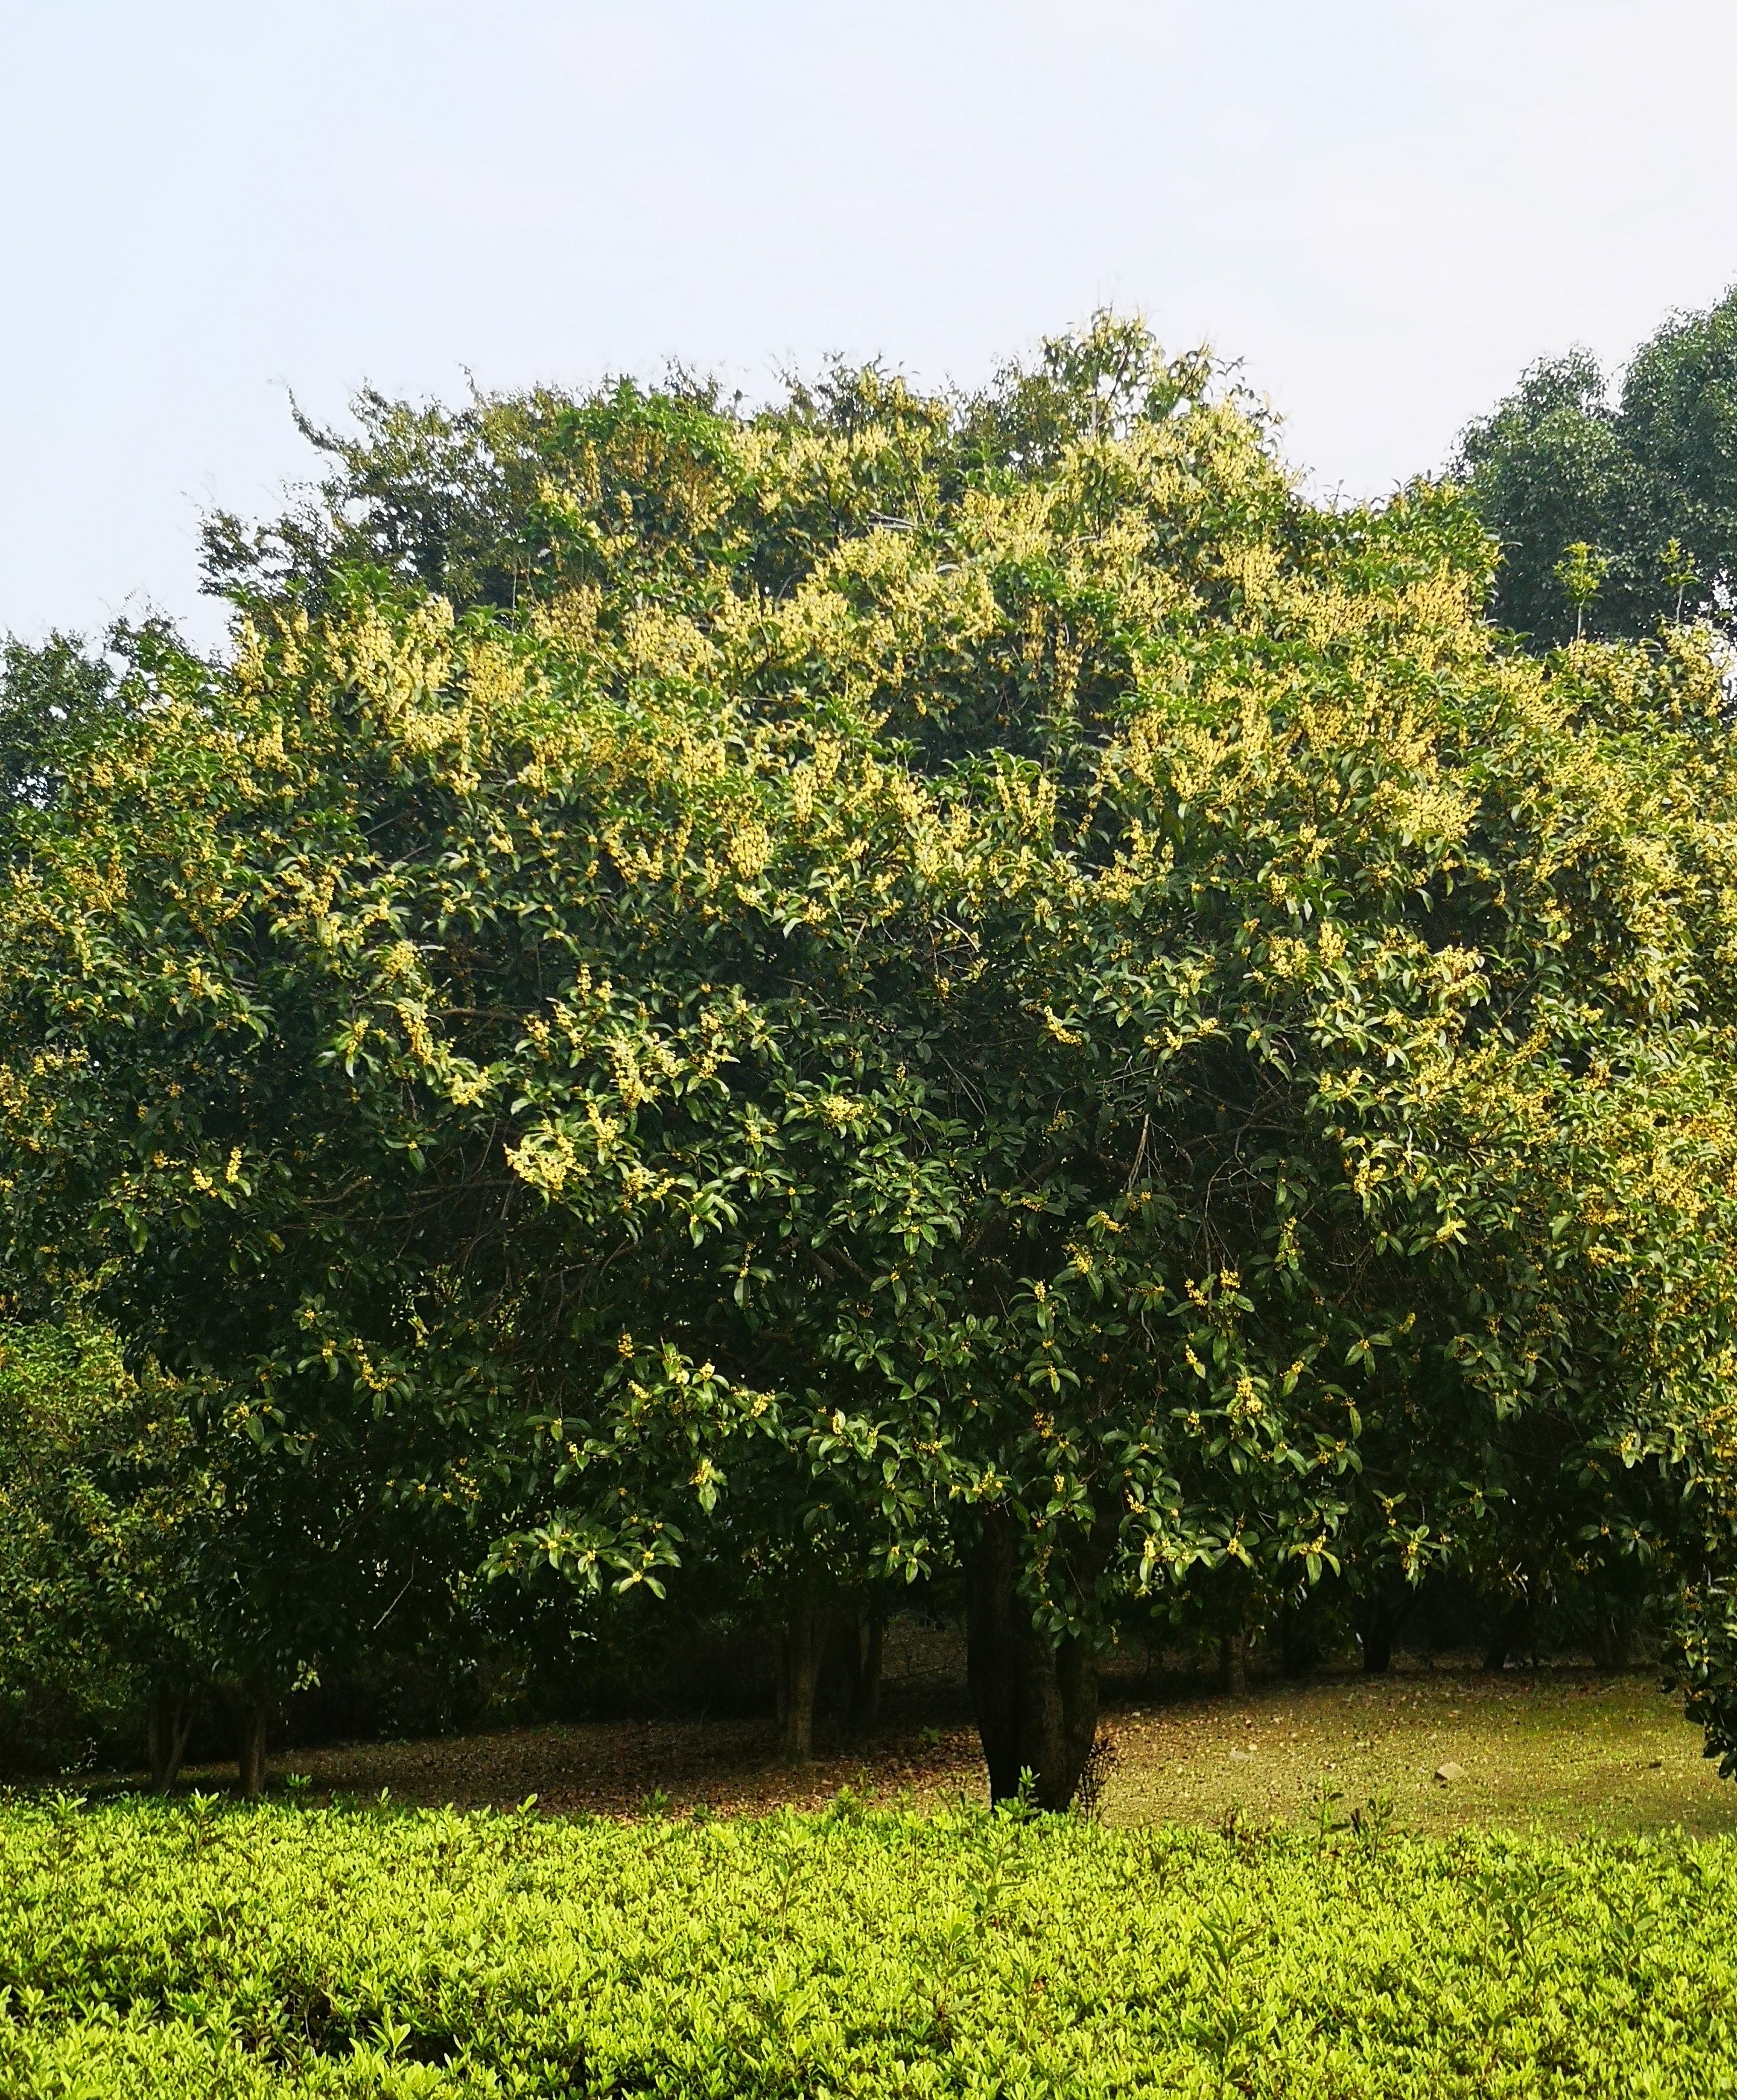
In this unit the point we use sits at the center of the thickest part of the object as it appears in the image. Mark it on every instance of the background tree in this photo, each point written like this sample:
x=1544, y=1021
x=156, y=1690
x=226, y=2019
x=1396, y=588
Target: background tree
x=54, y=695
x=102, y=1510
x=1647, y=473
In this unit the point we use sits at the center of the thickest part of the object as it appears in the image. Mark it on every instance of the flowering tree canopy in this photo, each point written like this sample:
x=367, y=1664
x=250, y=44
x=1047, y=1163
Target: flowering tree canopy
x=900, y=984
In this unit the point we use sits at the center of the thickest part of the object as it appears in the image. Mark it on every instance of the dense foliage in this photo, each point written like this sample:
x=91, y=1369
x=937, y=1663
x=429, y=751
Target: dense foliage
x=100, y=1523
x=787, y=1003
x=1644, y=484
x=200, y=1951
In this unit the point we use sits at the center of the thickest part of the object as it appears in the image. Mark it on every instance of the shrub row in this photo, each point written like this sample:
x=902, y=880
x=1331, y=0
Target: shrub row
x=210, y=1950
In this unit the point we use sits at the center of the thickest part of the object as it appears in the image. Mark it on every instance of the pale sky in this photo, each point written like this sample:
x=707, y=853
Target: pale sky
x=1384, y=208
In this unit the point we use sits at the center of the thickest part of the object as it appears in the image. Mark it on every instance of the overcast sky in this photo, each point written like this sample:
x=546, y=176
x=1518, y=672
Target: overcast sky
x=1386, y=208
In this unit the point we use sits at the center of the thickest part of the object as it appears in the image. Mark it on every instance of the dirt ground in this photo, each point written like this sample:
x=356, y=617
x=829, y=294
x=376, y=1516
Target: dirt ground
x=1566, y=1750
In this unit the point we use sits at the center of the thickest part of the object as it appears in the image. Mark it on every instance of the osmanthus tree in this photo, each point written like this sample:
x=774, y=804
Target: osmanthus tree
x=933, y=985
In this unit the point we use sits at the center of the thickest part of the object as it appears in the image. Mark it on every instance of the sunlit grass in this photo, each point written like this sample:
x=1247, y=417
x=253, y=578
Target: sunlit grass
x=1569, y=1751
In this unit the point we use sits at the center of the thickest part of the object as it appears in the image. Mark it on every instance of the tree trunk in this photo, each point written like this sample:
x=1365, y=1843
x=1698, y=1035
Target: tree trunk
x=865, y=1700
x=1036, y=1704
x=1299, y=1645
x=251, y=1761
x=1613, y=1638
x=804, y=1644
x=168, y=1721
x=1507, y=1636
x=781, y=1677
x=1377, y=1623
x=1234, y=1664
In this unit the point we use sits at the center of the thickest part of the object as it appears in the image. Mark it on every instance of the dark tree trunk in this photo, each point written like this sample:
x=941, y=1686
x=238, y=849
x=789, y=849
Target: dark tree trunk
x=1376, y=1623
x=1507, y=1636
x=1234, y=1664
x=1613, y=1638
x=168, y=1721
x=1299, y=1645
x=1036, y=1704
x=864, y=1698
x=805, y=1644
x=251, y=1759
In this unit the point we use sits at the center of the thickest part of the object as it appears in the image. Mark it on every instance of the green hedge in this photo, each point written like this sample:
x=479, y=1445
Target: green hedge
x=213, y=1950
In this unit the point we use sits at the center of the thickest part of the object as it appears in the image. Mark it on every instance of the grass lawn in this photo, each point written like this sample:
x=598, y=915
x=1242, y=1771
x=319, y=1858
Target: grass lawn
x=1566, y=1750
